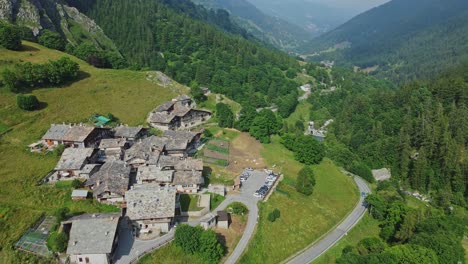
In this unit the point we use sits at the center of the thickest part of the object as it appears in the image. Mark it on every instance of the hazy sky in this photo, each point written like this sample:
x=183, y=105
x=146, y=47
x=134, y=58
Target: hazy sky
x=351, y=4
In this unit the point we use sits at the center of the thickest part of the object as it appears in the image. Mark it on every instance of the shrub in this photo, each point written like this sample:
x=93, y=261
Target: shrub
x=305, y=181
x=52, y=40
x=238, y=208
x=27, y=102
x=362, y=170
x=10, y=36
x=77, y=184
x=273, y=215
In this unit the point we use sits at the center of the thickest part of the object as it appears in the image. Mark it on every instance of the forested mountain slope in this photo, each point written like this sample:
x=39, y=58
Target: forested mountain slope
x=158, y=35
x=58, y=16
x=405, y=39
x=419, y=130
x=270, y=29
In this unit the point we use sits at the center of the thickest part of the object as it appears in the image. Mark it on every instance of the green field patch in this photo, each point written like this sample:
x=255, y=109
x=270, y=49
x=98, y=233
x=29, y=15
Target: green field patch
x=189, y=202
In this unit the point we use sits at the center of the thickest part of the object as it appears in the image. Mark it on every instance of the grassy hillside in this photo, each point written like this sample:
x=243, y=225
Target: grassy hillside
x=303, y=218
x=126, y=94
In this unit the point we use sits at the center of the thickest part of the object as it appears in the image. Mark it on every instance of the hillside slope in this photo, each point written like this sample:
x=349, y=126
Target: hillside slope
x=270, y=29
x=58, y=16
x=126, y=94
x=405, y=39
x=163, y=35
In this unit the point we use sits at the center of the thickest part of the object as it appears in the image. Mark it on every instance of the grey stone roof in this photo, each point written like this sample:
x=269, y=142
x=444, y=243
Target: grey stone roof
x=78, y=133
x=154, y=173
x=189, y=165
x=183, y=98
x=112, y=143
x=168, y=161
x=176, y=144
x=93, y=235
x=188, y=177
x=147, y=149
x=114, y=177
x=56, y=132
x=127, y=132
x=149, y=201
x=164, y=107
x=185, y=135
x=74, y=158
x=89, y=168
x=208, y=217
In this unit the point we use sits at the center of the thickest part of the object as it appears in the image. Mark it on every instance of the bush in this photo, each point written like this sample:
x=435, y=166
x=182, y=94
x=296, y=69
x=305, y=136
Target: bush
x=198, y=94
x=52, y=40
x=305, y=181
x=27, y=75
x=10, y=36
x=57, y=242
x=195, y=240
x=77, y=184
x=188, y=238
x=362, y=170
x=238, y=208
x=27, y=102
x=61, y=214
x=275, y=214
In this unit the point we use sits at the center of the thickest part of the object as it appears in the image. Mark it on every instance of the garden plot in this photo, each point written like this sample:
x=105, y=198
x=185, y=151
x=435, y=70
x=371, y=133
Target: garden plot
x=216, y=152
x=35, y=239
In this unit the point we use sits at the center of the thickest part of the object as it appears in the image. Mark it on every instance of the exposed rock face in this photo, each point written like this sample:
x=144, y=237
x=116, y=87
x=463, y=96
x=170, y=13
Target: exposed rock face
x=57, y=16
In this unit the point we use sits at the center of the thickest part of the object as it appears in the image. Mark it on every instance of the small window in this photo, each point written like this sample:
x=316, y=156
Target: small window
x=80, y=259
x=87, y=260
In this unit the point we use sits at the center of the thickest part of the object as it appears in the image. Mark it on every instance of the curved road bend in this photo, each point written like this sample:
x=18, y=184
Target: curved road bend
x=341, y=230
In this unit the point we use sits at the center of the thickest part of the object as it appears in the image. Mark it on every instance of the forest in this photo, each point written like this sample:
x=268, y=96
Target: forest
x=194, y=52
x=418, y=130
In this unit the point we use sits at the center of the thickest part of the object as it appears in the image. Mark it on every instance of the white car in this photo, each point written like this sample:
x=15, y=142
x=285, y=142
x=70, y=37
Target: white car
x=258, y=195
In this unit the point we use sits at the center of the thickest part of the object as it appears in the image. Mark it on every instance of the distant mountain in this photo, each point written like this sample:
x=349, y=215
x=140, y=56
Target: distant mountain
x=270, y=29
x=312, y=16
x=58, y=16
x=402, y=39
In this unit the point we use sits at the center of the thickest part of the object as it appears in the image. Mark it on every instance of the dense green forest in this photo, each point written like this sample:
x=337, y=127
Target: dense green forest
x=418, y=130
x=407, y=40
x=157, y=35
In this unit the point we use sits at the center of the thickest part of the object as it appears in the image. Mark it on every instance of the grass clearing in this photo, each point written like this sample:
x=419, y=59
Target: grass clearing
x=170, y=254
x=367, y=227
x=126, y=94
x=189, y=202
x=303, y=218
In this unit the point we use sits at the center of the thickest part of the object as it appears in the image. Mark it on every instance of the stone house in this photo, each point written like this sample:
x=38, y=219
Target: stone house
x=151, y=207
x=76, y=136
x=223, y=219
x=208, y=221
x=154, y=174
x=178, y=114
x=75, y=163
x=192, y=140
x=131, y=134
x=111, y=182
x=145, y=151
x=93, y=238
x=112, y=149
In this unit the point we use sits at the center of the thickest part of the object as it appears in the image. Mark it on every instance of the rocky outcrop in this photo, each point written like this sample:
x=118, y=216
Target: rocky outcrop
x=57, y=16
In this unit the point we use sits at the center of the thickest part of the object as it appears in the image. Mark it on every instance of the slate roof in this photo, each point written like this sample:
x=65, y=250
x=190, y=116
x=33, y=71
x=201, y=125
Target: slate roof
x=154, y=173
x=93, y=235
x=188, y=177
x=114, y=177
x=189, y=165
x=168, y=161
x=164, y=107
x=148, y=201
x=176, y=144
x=185, y=135
x=74, y=158
x=147, y=149
x=381, y=174
x=56, y=132
x=112, y=143
x=127, y=132
x=223, y=216
x=183, y=98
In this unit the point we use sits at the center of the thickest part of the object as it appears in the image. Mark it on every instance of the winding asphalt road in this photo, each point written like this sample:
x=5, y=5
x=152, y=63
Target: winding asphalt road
x=320, y=247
